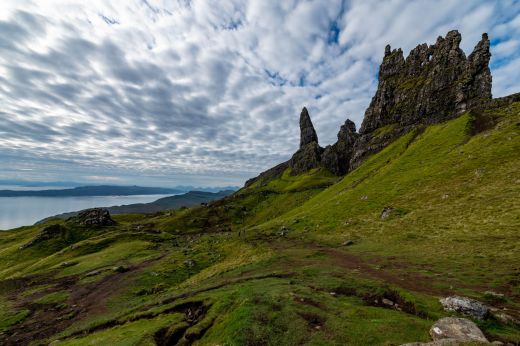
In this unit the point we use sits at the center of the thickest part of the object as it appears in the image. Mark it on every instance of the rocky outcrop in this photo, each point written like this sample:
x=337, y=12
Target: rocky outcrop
x=336, y=157
x=465, y=306
x=433, y=84
x=94, y=217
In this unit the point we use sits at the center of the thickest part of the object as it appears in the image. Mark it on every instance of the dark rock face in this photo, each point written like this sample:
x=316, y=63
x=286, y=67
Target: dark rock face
x=336, y=157
x=309, y=154
x=307, y=158
x=307, y=132
x=433, y=84
x=94, y=217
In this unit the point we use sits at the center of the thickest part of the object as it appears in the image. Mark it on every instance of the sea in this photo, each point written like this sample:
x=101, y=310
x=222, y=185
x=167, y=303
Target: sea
x=24, y=211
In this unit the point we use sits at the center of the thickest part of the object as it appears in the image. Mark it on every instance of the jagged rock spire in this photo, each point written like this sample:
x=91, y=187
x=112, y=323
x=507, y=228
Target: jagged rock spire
x=336, y=157
x=307, y=132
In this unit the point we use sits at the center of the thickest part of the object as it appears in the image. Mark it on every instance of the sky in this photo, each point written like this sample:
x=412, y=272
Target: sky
x=206, y=93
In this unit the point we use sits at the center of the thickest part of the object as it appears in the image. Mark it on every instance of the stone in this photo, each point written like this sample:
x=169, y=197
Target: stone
x=460, y=329
x=189, y=263
x=386, y=212
x=93, y=273
x=94, y=217
x=388, y=302
x=465, y=306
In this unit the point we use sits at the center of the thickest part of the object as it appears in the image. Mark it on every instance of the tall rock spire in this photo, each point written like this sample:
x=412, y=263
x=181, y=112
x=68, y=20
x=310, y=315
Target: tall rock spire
x=307, y=132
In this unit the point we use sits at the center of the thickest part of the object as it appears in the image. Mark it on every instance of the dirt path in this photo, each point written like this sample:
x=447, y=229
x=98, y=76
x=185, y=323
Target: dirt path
x=46, y=320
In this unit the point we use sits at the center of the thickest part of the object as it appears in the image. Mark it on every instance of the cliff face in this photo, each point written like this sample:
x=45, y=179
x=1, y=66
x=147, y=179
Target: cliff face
x=433, y=84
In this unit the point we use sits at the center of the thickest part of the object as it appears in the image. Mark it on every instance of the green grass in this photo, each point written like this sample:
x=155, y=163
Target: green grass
x=53, y=298
x=453, y=229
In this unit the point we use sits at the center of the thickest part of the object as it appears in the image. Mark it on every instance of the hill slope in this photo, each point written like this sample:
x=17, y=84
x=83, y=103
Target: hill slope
x=352, y=244
x=267, y=265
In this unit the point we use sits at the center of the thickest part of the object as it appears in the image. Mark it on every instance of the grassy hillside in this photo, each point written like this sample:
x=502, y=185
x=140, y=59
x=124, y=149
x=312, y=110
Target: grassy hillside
x=303, y=259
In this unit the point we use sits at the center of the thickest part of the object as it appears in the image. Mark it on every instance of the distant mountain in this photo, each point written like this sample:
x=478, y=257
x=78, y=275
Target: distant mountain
x=206, y=189
x=188, y=199
x=101, y=190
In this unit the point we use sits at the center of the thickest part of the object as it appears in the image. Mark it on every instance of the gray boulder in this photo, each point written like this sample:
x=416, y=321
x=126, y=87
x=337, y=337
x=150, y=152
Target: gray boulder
x=460, y=329
x=465, y=306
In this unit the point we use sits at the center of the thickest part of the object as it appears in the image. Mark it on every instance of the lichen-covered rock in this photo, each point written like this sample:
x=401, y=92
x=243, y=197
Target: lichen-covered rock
x=460, y=329
x=465, y=306
x=434, y=83
x=94, y=217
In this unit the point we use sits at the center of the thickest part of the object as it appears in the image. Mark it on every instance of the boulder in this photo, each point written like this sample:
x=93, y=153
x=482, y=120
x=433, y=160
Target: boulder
x=94, y=217
x=460, y=329
x=465, y=306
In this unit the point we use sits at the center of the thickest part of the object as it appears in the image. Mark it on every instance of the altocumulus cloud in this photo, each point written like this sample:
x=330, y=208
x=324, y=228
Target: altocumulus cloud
x=205, y=92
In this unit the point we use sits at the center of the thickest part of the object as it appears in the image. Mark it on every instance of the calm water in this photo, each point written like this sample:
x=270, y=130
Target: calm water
x=23, y=211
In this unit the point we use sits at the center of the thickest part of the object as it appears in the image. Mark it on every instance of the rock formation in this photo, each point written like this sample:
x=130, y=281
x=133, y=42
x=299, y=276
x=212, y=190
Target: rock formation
x=433, y=84
x=94, y=217
x=309, y=154
x=307, y=132
x=336, y=157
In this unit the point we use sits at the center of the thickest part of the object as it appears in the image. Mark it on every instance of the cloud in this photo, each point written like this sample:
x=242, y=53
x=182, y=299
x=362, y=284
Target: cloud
x=191, y=92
